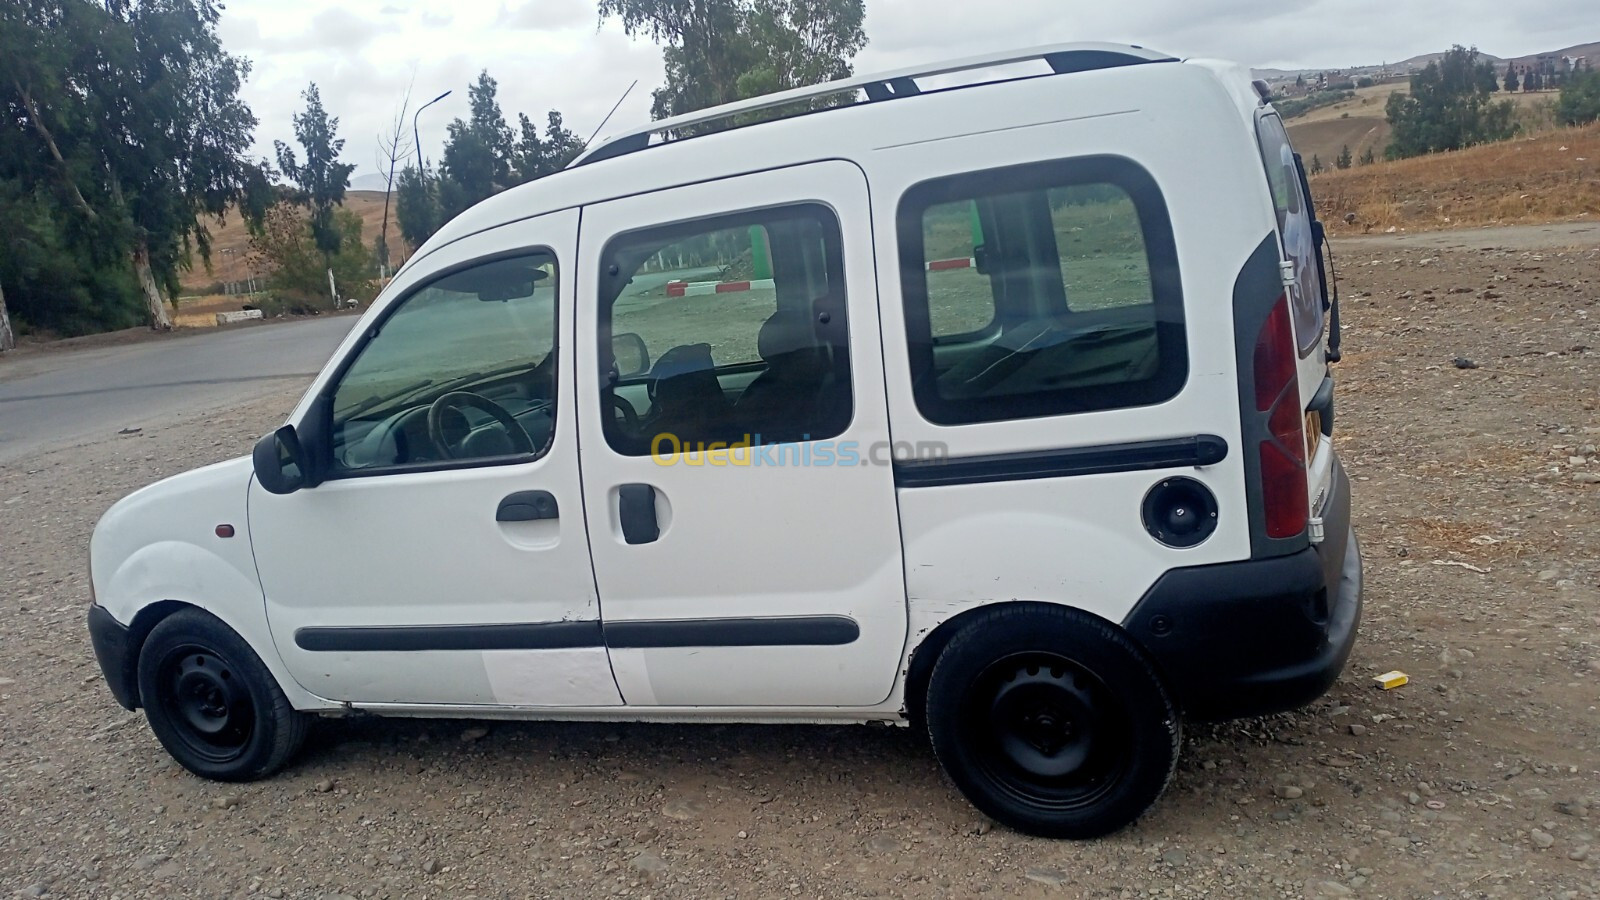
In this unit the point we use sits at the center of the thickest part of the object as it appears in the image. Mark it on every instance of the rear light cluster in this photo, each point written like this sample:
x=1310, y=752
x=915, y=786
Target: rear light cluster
x=1283, y=456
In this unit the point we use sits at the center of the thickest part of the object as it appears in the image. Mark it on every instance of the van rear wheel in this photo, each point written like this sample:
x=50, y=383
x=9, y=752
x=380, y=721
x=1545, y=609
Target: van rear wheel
x=211, y=701
x=1052, y=722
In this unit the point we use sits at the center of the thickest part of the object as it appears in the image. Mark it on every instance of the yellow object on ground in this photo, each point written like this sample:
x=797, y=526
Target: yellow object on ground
x=1391, y=680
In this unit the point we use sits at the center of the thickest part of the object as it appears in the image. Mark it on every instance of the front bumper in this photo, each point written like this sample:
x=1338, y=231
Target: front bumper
x=112, y=648
x=1260, y=636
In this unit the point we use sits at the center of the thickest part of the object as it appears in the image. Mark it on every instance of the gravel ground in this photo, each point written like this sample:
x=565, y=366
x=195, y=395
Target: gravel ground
x=1477, y=505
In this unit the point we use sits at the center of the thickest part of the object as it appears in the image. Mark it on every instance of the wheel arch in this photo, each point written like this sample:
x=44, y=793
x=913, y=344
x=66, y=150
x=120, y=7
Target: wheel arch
x=144, y=622
x=919, y=669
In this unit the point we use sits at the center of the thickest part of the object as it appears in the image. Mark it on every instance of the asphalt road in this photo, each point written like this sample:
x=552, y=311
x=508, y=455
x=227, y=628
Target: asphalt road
x=52, y=400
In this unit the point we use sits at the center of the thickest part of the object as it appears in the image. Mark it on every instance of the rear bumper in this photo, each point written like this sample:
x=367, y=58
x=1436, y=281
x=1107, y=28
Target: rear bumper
x=112, y=649
x=1260, y=636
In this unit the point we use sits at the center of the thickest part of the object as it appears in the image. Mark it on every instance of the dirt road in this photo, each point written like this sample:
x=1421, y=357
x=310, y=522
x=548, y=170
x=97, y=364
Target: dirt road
x=1481, y=778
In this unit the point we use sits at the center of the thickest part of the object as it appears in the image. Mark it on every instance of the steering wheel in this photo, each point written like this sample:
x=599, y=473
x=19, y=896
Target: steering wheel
x=630, y=416
x=454, y=402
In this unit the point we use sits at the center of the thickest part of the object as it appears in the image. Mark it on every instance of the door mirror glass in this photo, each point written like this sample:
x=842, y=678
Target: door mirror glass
x=630, y=354
x=280, y=462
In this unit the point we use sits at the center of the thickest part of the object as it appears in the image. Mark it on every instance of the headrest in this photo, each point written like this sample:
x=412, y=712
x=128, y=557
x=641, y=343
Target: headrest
x=685, y=359
x=786, y=331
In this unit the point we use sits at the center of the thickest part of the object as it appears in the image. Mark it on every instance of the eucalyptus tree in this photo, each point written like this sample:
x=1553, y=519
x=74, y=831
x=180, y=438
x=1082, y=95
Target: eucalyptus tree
x=133, y=108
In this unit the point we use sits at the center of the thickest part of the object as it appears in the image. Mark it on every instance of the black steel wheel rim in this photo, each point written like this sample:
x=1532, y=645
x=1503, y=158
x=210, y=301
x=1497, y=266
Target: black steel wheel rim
x=1047, y=731
x=207, y=703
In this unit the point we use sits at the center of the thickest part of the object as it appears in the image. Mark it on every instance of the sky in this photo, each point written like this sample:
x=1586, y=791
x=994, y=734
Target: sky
x=556, y=54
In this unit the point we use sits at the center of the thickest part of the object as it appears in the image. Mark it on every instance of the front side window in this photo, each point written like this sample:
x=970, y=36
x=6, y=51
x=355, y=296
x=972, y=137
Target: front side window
x=725, y=331
x=1294, y=224
x=1068, y=300
x=462, y=371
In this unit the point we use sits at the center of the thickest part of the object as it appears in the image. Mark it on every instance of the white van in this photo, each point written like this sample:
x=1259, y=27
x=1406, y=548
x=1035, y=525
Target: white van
x=996, y=402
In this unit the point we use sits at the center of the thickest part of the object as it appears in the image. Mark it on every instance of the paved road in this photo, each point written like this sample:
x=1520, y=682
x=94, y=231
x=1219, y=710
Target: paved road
x=51, y=400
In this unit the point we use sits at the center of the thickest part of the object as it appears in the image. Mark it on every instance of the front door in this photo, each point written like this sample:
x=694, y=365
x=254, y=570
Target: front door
x=444, y=560
x=736, y=443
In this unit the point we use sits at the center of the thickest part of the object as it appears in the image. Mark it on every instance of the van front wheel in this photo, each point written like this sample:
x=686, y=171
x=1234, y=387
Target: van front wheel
x=211, y=701
x=1052, y=722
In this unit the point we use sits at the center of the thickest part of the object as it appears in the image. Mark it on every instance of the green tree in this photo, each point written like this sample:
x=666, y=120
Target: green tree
x=476, y=163
x=417, y=205
x=719, y=51
x=1511, y=81
x=1367, y=157
x=1580, y=99
x=133, y=114
x=1448, y=108
x=1343, y=160
x=320, y=181
x=1317, y=167
x=481, y=158
x=535, y=156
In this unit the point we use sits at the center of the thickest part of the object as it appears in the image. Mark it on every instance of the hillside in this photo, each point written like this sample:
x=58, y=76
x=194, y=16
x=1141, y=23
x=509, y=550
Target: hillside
x=1360, y=123
x=230, y=243
x=1553, y=176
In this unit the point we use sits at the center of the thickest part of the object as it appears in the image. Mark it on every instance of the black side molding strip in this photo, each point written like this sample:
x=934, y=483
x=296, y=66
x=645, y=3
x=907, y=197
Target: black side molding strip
x=1199, y=450
x=537, y=636
x=792, y=631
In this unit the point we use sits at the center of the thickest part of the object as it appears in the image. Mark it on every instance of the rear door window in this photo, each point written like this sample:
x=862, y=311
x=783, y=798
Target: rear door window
x=1294, y=225
x=741, y=321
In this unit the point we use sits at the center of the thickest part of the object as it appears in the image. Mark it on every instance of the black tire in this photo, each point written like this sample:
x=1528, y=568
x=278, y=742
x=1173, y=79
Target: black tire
x=1051, y=721
x=212, y=703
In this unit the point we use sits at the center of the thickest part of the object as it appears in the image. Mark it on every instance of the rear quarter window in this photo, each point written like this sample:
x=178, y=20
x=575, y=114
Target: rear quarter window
x=1041, y=290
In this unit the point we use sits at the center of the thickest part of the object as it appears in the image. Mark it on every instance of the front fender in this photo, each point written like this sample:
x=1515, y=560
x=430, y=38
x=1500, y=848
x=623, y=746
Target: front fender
x=159, y=546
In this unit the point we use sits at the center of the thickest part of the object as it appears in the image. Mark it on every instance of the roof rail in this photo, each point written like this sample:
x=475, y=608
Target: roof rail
x=1061, y=58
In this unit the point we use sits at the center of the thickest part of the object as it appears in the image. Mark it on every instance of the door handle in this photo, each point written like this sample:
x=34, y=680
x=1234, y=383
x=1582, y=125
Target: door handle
x=636, y=509
x=528, y=506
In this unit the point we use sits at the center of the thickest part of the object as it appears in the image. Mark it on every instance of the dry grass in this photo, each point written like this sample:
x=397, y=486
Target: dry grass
x=1458, y=540
x=1553, y=176
x=235, y=236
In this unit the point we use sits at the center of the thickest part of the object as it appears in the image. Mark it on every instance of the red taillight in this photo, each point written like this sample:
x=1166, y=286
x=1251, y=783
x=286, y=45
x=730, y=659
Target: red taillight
x=1283, y=456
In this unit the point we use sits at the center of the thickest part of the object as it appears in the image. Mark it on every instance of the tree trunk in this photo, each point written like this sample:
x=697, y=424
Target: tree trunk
x=153, y=301
x=8, y=340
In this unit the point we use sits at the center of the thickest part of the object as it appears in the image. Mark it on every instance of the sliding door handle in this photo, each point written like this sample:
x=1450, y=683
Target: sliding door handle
x=636, y=510
x=528, y=506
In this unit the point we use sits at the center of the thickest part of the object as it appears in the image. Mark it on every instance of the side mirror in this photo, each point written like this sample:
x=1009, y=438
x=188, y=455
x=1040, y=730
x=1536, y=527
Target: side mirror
x=631, y=355
x=280, y=462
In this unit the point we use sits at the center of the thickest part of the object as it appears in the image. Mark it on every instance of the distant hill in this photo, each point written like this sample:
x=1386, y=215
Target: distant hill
x=1591, y=50
x=372, y=182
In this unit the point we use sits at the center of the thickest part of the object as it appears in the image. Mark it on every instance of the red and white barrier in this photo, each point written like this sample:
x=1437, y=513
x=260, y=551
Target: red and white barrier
x=700, y=288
